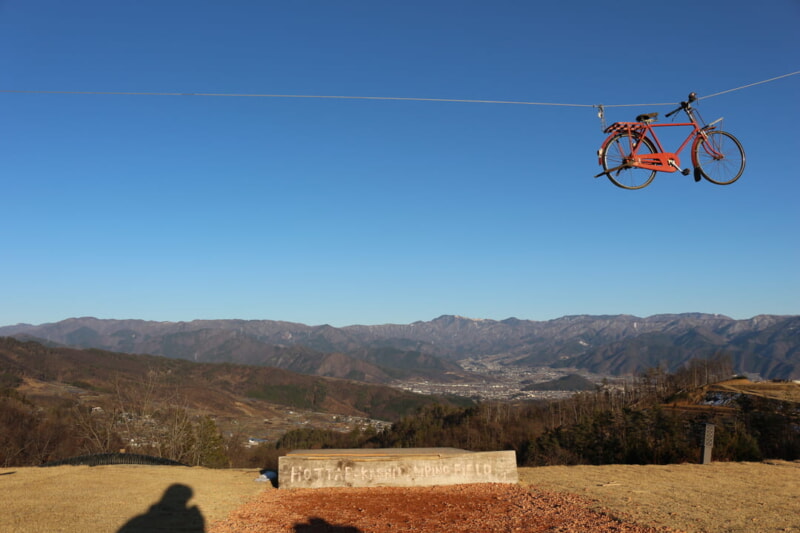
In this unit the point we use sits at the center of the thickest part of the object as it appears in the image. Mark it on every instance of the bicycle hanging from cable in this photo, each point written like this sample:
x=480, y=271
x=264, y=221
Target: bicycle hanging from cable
x=632, y=153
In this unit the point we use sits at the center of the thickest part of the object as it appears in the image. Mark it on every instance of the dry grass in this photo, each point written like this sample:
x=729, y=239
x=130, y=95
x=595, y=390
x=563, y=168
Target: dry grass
x=783, y=391
x=82, y=499
x=718, y=497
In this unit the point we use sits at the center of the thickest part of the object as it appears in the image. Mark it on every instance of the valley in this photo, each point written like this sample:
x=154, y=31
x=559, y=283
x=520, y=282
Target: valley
x=503, y=382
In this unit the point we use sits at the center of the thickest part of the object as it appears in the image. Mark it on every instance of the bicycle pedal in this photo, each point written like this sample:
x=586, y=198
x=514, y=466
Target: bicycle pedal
x=686, y=171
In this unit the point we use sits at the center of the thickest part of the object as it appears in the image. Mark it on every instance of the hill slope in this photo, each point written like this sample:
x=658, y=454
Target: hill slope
x=217, y=388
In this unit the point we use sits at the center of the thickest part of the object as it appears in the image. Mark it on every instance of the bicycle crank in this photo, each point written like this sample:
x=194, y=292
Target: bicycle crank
x=684, y=171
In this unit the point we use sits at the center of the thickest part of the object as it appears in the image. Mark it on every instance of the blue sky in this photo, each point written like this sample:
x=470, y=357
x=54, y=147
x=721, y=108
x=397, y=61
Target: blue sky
x=377, y=211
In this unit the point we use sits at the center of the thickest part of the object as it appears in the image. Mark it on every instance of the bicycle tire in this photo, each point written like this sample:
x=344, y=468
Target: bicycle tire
x=721, y=171
x=616, y=151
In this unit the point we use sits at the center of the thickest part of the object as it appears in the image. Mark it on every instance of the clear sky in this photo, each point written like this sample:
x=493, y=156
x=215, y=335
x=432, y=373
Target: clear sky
x=379, y=211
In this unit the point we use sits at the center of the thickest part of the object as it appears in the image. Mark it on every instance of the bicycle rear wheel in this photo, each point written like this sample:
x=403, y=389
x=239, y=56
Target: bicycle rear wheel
x=719, y=157
x=617, y=152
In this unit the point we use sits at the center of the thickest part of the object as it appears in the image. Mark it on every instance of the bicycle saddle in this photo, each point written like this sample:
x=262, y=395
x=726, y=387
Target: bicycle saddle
x=648, y=118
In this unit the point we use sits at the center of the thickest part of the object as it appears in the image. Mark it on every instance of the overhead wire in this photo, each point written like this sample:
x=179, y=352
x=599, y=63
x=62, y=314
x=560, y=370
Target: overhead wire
x=749, y=85
x=396, y=98
x=245, y=95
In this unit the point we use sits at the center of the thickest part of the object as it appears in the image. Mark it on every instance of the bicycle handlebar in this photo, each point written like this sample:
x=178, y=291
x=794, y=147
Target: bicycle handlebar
x=684, y=105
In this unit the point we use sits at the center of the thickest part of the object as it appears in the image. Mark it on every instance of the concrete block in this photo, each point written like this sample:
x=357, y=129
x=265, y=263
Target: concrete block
x=394, y=467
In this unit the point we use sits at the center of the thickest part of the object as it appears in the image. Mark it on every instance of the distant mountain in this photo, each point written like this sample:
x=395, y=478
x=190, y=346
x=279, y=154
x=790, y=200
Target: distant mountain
x=614, y=344
x=304, y=349
x=765, y=345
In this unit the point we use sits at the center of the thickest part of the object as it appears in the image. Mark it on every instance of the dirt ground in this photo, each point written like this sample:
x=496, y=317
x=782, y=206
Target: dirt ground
x=720, y=497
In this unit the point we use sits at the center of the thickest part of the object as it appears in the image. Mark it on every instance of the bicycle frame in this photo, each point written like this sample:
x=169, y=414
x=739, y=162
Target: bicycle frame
x=660, y=161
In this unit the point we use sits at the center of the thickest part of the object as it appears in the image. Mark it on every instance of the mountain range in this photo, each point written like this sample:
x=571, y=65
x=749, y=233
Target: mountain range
x=768, y=345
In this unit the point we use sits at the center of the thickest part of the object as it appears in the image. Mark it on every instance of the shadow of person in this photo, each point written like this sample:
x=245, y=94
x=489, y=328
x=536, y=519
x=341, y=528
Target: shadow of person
x=319, y=525
x=171, y=514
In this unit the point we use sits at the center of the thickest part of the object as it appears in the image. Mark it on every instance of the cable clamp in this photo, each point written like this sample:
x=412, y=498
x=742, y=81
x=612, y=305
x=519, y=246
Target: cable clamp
x=602, y=116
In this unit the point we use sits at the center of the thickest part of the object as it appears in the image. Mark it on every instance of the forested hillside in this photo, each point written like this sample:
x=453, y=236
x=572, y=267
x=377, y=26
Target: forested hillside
x=56, y=402
x=658, y=419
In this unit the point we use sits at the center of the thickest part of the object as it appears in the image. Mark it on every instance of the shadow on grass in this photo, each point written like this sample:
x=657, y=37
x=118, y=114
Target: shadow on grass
x=170, y=514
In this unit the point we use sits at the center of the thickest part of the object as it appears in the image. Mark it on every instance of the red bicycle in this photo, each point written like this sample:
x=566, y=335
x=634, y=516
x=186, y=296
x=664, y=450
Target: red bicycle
x=632, y=153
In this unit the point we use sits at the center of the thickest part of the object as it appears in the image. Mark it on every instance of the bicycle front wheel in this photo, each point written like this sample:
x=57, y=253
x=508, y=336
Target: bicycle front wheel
x=615, y=155
x=719, y=157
